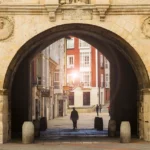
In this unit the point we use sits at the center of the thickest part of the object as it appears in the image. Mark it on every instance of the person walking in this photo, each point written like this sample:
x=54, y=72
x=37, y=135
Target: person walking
x=97, y=110
x=74, y=117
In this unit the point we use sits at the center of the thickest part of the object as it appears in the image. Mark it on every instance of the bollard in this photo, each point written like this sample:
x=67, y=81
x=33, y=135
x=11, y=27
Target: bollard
x=27, y=132
x=36, y=128
x=43, y=124
x=98, y=123
x=112, y=128
x=125, y=132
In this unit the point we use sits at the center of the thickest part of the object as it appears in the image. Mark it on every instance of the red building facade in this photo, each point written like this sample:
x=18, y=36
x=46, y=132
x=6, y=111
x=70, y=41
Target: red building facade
x=85, y=71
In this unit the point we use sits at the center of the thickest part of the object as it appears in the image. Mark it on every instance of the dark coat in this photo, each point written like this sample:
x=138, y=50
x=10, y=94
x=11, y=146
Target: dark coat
x=97, y=108
x=74, y=115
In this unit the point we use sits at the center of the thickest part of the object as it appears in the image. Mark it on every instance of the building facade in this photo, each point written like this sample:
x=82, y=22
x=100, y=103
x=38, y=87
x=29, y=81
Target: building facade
x=88, y=74
x=103, y=79
x=47, y=70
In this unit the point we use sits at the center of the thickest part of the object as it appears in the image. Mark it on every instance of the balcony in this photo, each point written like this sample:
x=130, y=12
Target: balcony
x=45, y=93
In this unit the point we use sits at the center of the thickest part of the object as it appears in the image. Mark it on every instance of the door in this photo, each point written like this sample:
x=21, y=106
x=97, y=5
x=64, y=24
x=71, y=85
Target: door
x=60, y=108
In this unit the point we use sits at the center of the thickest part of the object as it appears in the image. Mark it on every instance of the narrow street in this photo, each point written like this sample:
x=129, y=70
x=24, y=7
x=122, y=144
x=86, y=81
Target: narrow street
x=60, y=136
x=61, y=128
x=86, y=121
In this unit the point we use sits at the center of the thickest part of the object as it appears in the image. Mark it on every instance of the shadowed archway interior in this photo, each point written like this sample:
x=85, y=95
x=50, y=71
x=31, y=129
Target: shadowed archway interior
x=128, y=73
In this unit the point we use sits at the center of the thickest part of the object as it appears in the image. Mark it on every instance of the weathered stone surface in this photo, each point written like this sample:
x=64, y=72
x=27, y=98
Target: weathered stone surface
x=146, y=27
x=146, y=115
x=19, y=2
x=112, y=128
x=6, y=28
x=125, y=132
x=1, y=127
x=27, y=132
x=77, y=14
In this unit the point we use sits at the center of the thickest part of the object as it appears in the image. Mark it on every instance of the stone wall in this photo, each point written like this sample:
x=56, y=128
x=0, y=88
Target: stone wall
x=18, y=26
x=4, y=117
x=28, y=26
x=144, y=115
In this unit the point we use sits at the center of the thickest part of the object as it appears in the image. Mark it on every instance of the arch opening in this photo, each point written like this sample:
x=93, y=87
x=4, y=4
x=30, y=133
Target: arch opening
x=128, y=73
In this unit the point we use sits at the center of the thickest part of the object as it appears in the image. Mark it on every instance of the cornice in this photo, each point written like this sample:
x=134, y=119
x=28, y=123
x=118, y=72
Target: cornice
x=23, y=9
x=39, y=9
x=129, y=9
x=97, y=9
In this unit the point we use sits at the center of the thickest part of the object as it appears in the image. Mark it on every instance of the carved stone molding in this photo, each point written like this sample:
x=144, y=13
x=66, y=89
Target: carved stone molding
x=74, y=1
x=52, y=16
x=102, y=9
x=76, y=11
x=146, y=27
x=77, y=14
x=52, y=11
x=6, y=28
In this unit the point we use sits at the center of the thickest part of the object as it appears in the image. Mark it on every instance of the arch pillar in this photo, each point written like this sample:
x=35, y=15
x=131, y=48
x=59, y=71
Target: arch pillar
x=4, y=116
x=144, y=115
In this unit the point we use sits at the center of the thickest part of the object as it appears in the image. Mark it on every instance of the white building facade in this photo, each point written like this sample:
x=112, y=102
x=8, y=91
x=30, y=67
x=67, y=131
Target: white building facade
x=47, y=71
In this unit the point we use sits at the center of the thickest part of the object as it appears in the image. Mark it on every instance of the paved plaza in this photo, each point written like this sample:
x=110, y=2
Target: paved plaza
x=102, y=144
x=86, y=121
x=61, y=128
x=60, y=136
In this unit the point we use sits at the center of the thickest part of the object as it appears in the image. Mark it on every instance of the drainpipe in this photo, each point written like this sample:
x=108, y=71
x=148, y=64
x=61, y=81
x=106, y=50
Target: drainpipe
x=98, y=57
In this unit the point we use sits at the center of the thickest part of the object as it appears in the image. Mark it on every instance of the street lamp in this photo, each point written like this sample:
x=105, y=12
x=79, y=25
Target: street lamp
x=74, y=75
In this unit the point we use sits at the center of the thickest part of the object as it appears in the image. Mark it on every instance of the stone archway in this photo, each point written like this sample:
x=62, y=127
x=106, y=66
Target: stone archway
x=128, y=70
x=81, y=30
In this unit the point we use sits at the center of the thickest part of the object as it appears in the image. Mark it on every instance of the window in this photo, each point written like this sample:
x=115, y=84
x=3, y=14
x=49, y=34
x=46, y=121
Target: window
x=71, y=98
x=83, y=44
x=56, y=80
x=70, y=61
x=84, y=59
x=39, y=80
x=102, y=80
x=86, y=98
x=106, y=77
x=39, y=70
x=70, y=43
x=107, y=80
x=106, y=63
x=56, y=77
x=56, y=85
x=85, y=78
x=107, y=85
x=101, y=61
